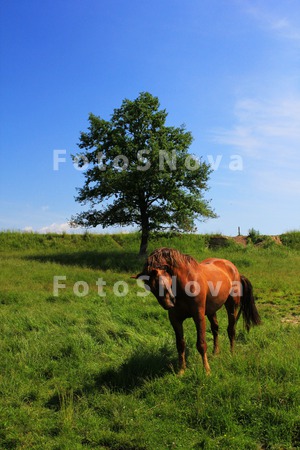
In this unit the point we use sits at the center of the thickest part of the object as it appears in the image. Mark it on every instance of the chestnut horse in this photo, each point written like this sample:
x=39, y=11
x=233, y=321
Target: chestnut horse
x=187, y=288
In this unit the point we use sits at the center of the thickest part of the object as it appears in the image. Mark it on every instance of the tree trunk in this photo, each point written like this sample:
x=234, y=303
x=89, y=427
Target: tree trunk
x=145, y=235
x=144, y=243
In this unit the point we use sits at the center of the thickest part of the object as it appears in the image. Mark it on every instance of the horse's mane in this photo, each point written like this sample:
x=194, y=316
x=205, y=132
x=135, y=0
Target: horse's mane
x=168, y=256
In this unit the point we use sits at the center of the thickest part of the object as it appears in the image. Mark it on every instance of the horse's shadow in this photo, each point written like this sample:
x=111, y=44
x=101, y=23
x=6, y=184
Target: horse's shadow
x=139, y=369
x=132, y=375
x=101, y=260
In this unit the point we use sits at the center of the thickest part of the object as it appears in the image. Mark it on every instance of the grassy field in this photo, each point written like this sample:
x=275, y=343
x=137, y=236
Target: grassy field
x=95, y=367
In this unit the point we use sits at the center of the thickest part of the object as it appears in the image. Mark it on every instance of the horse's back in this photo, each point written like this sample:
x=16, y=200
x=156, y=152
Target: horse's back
x=216, y=264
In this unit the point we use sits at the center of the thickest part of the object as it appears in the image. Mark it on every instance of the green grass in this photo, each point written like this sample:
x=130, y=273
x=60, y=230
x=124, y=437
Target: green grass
x=291, y=239
x=100, y=371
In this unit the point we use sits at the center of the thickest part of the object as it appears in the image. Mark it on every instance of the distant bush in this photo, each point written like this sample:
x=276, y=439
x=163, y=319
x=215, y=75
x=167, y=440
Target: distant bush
x=291, y=239
x=254, y=236
x=267, y=242
x=218, y=241
x=261, y=240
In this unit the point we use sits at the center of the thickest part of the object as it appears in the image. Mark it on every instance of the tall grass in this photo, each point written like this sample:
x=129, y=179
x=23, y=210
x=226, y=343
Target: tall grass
x=291, y=239
x=100, y=371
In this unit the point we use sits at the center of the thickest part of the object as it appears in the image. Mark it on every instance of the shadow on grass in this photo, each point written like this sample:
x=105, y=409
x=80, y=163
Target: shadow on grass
x=116, y=261
x=135, y=372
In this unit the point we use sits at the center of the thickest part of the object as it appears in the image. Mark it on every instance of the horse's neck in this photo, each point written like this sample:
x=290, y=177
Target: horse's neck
x=183, y=275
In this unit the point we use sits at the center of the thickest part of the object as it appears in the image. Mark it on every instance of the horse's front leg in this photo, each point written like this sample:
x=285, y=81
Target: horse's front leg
x=180, y=342
x=199, y=320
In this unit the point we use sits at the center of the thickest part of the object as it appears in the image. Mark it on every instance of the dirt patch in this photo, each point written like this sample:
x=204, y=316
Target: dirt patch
x=242, y=240
x=219, y=241
x=293, y=320
x=276, y=239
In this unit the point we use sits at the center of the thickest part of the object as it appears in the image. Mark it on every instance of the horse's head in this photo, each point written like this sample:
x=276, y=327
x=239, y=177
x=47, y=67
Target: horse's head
x=159, y=281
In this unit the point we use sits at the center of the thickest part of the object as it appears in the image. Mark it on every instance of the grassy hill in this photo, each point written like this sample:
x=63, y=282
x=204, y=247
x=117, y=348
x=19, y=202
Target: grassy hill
x=95, y=367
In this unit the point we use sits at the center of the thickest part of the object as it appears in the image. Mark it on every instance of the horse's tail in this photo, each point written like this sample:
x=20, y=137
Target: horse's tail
x=248, y=307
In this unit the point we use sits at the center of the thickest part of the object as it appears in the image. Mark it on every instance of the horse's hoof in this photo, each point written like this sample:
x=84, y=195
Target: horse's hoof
x=207, y=370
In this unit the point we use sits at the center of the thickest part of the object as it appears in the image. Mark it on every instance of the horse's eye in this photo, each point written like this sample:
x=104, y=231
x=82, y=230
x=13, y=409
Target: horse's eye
x=153, y=273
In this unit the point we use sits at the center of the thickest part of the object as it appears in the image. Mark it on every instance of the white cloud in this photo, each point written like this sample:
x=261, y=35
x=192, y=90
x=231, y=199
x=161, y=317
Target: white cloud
x=264, y=129
x=278, y=22
x=56, y=228
x=28, y=229
x=65, y=228
x=267, y=135
x=240, y=137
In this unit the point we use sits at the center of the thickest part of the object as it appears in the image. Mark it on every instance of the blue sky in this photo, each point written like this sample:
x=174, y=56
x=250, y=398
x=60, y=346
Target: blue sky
x=228, y=69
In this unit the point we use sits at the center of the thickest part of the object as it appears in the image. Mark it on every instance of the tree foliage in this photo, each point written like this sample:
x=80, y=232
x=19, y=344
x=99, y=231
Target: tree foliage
x=140, y=172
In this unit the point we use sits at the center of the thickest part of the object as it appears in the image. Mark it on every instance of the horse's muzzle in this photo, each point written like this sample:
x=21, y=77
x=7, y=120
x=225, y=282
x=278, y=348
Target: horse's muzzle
x=168, y=307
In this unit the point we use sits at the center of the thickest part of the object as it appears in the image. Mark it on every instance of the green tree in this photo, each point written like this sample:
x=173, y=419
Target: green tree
x=140, y=172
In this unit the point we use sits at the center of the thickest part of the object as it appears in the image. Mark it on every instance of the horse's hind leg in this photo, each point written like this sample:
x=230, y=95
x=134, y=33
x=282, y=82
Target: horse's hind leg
x=215, y=331
x=231, y=308
x=180, y=342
